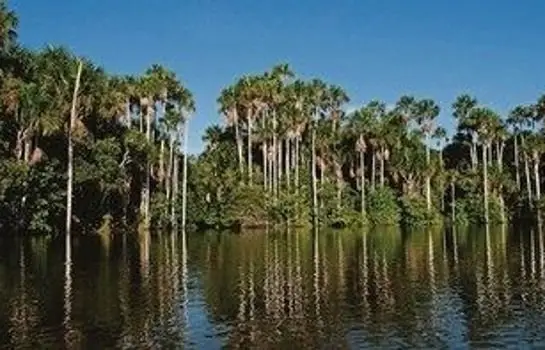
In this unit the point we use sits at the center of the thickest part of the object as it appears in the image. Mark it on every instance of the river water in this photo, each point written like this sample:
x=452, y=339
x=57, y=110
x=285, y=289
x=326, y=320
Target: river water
x=338, y=289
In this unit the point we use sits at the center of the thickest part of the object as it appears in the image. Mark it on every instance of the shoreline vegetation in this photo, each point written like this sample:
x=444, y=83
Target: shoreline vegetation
x=288, y=152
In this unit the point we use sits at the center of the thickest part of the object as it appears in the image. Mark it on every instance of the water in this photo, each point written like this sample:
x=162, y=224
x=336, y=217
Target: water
x=382, y=289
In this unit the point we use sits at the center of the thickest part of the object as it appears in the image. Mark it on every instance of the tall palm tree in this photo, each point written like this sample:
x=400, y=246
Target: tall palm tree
x=427, y=112
x=463, y=107
x=486, y=121
x=8, y=27
x=73, y=119
x=229, y=108
x=516, y=120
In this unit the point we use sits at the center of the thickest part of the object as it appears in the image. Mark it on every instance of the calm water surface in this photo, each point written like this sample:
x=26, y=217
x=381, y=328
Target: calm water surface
x=383, y=289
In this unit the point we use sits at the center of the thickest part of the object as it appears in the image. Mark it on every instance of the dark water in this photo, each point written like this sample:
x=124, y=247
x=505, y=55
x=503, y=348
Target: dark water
x=382, y=289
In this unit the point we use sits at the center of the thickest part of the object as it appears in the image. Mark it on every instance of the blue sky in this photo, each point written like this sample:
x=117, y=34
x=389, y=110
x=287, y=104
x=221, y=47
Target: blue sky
x=373, y=48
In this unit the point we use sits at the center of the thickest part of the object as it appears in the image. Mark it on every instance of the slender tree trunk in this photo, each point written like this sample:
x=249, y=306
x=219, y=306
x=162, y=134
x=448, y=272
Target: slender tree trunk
x=527, y=171
x=239, y=145
x=373, y=169
x=169, y=169
x=279, y=165
x=73, y=118
x=517, y=166
x=428, y=180
x=249, y=146
x=442, y=186
x=275, y=157
x=287, y=158
x=339, y=178
x=362, y=180
x=500, y=155
x=313, y=172
x=162, y=163
x=453, y=202
x=19, y=145
x=297, y=164
x=485, y=183
x=474, y=157
x=184, y=176
x=175, y=190
x=490, y=158
x=271, y=172
x=145, y=196
x=265, y=165
x=128, y=120
x=382, y=168
x=537, y=177
x=28, y=149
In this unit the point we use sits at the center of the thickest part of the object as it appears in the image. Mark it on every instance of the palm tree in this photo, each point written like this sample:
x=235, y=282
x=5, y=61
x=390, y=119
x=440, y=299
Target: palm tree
x=440, y=135
x=73, y=119
x=463, y=107
x=229, y=108
x=8, y=27
x=515, y=120
x=188, y=106
x=426, y=112
x=486, y=122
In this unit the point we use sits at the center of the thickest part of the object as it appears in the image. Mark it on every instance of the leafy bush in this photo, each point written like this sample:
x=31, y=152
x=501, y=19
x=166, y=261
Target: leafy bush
x=414, y=212
x=470, y=210
x=382, y=207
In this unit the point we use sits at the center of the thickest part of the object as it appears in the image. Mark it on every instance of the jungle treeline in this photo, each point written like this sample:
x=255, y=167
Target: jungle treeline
x=288, y=151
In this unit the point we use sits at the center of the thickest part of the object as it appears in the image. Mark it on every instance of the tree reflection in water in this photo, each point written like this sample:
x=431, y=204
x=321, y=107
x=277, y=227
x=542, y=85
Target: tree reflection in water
x=378, y=288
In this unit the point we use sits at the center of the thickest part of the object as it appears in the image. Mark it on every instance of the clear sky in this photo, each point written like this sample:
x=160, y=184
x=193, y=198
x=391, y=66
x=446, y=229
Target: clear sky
x=381, y=49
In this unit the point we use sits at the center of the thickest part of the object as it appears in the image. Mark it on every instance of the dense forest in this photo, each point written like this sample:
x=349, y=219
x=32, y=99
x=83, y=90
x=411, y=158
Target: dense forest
x=287, y=152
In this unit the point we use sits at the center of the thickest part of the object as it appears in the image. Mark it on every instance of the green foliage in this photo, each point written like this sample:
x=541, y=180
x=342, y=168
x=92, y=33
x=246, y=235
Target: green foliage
x=382, y=207
x=414, y=212
x=470, y=210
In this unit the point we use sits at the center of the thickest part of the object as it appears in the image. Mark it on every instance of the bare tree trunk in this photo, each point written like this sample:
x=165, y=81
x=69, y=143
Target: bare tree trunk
x=279, y=164
x=485, y=183
x=442, y=186
x=428, y=180
x=517, y=166
x=169, y=169
x=287, y=158
x=265, y=165
x=527, y=171
x=453, y=202
x=239, y=145
x=28, y=149
x=175, y=190
x=145, y=195
x=373, y=169
x=297, y=164
x=271, y=172
x=184, y=177
x=162, y=163
x=490, y=158
x=128, y=120
x=382, y=168
x=339, y=178
x=275, y=157
x=537, y=177
x=313, y=172
x=249, y=147
x=362, y=180
x=19, y=145
x=474, y=157
x=73, y=118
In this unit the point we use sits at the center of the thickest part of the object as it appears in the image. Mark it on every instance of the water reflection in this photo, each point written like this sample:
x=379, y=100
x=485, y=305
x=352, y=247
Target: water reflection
x=384, y=288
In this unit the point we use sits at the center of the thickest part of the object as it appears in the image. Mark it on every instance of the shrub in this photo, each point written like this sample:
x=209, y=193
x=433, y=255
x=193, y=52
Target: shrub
x=382, y=207
x=414, y=212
